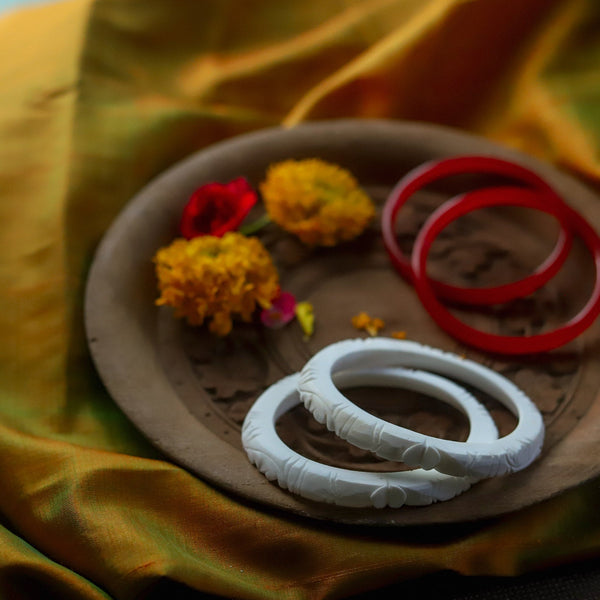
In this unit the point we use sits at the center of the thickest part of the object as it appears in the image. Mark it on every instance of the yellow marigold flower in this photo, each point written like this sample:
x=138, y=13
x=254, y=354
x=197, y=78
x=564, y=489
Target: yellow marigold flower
x=216, y=277
x=319, y=202
x=399, y=335
x=372, y=325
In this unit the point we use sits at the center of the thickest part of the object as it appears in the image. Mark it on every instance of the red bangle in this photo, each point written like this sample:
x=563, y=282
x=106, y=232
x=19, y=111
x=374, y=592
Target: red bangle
x=434, y=170
x=486, y=341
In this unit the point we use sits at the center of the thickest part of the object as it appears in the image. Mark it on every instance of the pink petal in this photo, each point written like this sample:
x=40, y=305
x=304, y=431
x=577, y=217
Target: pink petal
x=281, y=311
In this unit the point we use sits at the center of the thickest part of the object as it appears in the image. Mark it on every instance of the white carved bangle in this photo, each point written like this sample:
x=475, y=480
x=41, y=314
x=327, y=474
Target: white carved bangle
x=345, y=487
x=328, y=405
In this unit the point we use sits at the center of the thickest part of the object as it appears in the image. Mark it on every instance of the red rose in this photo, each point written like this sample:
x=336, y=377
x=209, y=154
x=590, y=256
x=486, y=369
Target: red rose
x=216, y=208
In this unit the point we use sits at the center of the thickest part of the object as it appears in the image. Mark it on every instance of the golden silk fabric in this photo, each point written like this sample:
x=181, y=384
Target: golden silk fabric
x=97, y=97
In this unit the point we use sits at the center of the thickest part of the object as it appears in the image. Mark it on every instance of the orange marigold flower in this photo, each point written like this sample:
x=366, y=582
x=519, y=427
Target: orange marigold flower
x=372, y=325
x=319, y=202
x=216, y=277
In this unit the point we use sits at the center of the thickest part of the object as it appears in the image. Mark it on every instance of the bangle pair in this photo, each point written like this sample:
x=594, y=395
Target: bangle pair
x=446, y=468
x=535, y=193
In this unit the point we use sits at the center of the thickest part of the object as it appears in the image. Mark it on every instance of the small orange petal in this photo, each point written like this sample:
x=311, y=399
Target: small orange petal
x=399, y=335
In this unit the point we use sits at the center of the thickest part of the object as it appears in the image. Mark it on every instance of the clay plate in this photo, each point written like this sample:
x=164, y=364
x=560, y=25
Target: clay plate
x=188, y=392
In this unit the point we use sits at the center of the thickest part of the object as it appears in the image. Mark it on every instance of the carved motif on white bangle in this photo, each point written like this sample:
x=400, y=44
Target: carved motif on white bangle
x=346, y=487
x=328, y=405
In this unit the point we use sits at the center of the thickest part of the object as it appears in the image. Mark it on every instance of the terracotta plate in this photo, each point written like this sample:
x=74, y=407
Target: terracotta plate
x=188, y=392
